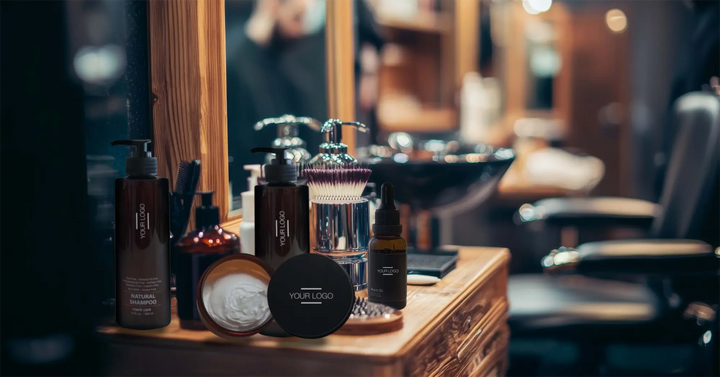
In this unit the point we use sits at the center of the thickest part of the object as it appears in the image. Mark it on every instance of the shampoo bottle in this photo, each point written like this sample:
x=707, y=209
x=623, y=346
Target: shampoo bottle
x=196, y=252
x=387, y=256
x=282, y=212
x=142, y=242
x=247, y=226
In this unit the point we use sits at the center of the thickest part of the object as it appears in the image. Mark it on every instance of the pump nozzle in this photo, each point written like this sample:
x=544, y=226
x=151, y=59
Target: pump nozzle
x=206, y=197
x=255, y=174
x=332, y=150
x=280, y=169
x=277, y=151
x=140, y=162
x=206, y=215
x=140, y=146
x=288, y=124
x=332, y=129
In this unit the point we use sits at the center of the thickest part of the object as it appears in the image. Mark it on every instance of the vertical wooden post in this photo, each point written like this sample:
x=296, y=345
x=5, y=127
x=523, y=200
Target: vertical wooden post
x=187, y=43
x=467, y=38
x=340, y=58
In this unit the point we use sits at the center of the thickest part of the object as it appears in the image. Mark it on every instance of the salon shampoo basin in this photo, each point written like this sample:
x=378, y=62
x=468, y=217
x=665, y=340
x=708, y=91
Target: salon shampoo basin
x=449, y=182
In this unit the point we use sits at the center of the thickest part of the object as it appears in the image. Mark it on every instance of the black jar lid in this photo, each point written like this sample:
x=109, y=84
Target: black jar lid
x=310, y=296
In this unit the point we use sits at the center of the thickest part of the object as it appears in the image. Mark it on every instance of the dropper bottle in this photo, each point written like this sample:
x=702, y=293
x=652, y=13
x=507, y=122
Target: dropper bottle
x=195, y=253
x=387, y=275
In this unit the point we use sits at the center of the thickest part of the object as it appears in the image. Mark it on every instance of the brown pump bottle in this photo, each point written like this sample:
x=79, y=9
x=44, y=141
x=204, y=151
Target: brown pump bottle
x=142, y=242
x=282, y=212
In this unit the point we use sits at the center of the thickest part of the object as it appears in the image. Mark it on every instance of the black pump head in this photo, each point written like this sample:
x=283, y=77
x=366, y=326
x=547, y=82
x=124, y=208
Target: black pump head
x=280, y=169
x=141, y=161
x=387, y=216
x=207, y=215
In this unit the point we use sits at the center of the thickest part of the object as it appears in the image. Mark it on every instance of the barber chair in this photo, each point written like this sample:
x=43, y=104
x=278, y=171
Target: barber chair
x=653, y=291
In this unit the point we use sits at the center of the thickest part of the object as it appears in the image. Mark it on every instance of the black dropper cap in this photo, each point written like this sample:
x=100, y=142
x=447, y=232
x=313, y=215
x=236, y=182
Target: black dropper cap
x=280, y=169
x=140, y=162
x=207, y=215
x=387, y=217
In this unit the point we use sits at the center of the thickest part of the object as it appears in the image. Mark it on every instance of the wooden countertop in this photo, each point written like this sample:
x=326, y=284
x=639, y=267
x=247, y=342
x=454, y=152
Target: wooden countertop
x=428, y=308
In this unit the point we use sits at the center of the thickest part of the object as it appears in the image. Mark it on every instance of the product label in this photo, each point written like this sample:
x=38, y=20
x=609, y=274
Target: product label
x=141, y=294
x=311, y=296
x=387, y=277
x=282, y=228
x=142, y=221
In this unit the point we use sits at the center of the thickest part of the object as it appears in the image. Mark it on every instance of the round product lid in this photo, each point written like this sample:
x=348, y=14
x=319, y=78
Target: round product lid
x=310, y=296
x=232, y=296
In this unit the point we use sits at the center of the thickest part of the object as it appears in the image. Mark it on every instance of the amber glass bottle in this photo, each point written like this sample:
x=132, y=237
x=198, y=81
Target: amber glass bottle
x=387, y=272
x=142, y=242
x=195, y=253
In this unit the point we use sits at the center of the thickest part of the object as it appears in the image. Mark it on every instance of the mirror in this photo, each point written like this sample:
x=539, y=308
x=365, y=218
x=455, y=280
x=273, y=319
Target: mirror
x=276, y=65
x=275, y=53
x=542, y=64
x=534, y=48
x=467, y=70
x=418, y=66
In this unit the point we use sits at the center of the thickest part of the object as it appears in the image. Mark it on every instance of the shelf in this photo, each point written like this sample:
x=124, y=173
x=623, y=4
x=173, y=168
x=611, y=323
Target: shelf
x=424, y=22
x=425, y=120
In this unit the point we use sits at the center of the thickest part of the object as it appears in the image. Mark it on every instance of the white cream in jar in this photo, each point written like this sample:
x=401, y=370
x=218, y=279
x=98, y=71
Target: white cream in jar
x=236, y=299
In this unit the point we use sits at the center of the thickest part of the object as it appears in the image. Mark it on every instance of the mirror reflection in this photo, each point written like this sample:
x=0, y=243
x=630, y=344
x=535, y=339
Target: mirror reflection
x=275, y=66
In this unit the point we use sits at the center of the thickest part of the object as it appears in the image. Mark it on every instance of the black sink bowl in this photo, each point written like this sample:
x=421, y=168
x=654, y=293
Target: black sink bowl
x=449, y=183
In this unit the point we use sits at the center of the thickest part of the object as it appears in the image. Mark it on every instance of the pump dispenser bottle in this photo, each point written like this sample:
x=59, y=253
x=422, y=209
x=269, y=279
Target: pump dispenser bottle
x=387, y=275
x=196, y=252
x=142, y=242
x=282, y=212
x=247, y=226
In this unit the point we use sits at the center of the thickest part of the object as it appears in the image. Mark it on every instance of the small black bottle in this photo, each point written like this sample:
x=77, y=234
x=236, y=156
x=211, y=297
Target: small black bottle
x=142, y=242
x=282, y=212
x=387, y=272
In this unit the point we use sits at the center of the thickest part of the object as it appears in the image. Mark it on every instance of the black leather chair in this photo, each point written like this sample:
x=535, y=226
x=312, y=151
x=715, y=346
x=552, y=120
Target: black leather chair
x=655, y=290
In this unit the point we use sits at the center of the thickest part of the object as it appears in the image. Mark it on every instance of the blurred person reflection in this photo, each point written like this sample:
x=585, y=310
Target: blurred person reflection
x=698, y=64
x=276, y=65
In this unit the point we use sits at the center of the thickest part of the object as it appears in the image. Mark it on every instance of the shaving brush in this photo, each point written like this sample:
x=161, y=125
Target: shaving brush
x=339, y=216
x=337, y=183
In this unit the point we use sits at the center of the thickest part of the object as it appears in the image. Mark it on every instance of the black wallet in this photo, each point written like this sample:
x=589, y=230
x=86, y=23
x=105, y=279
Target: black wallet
x=437, y=265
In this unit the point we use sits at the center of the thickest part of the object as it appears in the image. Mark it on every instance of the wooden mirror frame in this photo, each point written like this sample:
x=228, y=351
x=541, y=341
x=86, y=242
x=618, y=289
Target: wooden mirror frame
x=187, y=65
x=516, y=60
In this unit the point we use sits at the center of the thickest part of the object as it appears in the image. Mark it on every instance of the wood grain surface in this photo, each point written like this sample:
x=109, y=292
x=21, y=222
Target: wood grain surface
x=187, y=43
x=445, y=328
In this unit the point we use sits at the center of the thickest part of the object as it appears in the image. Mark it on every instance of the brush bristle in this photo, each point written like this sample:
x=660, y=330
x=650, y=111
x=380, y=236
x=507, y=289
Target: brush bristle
x=363, y=309
x=337, y=183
